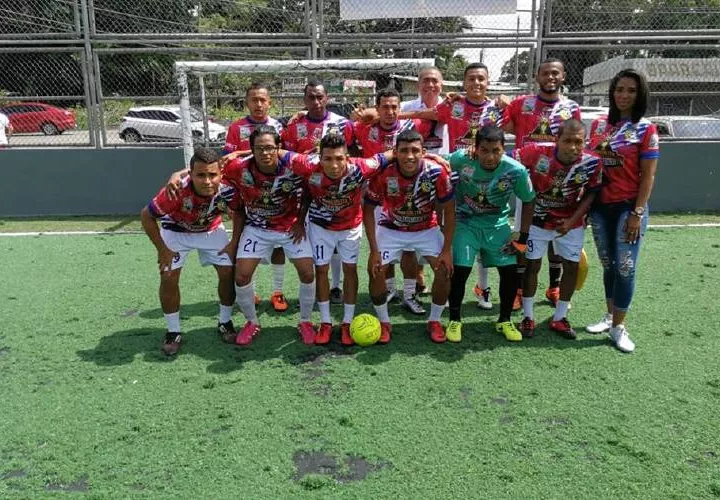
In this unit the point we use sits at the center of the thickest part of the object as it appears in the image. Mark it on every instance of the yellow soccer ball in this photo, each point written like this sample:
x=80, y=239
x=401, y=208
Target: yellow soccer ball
x=365, y=329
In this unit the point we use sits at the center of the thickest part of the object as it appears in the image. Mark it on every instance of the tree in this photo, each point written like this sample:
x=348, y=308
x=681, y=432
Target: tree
x=515, y=69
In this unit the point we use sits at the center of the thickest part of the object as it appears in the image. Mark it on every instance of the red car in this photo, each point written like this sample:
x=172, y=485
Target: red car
x=38, y=117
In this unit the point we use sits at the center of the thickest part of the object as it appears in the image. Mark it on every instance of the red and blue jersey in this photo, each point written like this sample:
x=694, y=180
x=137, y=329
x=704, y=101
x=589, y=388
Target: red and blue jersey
x=409, y=203
x=189, y=212
x=238, y=136
x=465, y=118
x=621, y=147
x=304, y=134
x=535, y=119
x=374, y=138
x=336, y=204
x=271, y=201
x=558, y=187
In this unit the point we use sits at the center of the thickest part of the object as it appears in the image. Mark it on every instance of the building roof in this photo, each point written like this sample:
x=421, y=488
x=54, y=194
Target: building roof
x=657, y=69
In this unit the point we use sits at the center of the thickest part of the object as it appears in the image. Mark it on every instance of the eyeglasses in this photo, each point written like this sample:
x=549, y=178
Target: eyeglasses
x=265, y=149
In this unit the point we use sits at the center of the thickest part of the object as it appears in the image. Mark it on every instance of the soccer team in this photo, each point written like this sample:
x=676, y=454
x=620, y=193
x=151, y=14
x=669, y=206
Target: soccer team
x=430, y=182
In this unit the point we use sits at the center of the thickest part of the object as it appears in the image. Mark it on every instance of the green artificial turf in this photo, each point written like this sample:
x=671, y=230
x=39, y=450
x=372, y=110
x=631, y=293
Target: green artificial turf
x=89, y=405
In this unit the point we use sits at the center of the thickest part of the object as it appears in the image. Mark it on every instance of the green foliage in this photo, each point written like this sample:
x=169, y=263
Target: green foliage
x=522, y=61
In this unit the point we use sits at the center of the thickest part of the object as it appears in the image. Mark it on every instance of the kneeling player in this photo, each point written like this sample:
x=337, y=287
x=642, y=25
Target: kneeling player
x=485, y=183
x=192, y=221
x=565, y=180
x=410, y=191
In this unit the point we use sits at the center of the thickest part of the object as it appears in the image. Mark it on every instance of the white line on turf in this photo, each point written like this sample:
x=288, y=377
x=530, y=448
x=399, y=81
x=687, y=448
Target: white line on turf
x=124, y=233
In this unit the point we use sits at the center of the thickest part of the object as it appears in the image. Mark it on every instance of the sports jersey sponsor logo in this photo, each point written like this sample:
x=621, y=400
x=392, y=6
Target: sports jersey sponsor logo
x=245, y=132
x=316, y=179
x=543, y=132
x=222, y=205
x=528, y=105
x=600, y=127
x=350, y=186
x=503, y=184
x=564, y=113
x=187, y=205
x=468, y=171
x=543, y=165
x=336, y=204
x=301, y=131
x=425, y=186
x=458, y=110
x=580, y=177
x=393, y=187
x=247, y=178
x=389, y=141
x=287, y=186
x=374, y=134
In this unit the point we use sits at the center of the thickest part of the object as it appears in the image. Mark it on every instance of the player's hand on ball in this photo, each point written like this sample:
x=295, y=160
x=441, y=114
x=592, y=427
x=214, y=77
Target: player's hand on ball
x=166, y=258
x=374, y=263
x=298, y=232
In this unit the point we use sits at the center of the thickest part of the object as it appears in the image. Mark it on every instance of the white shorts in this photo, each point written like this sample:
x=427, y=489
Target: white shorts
x=568, y=246
x=207, y=244
x=324, y=242
x=256, y=243
x=392, y=243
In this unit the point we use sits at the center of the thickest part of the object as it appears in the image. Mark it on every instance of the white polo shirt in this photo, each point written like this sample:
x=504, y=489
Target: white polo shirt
x=440, y=129
x=4, y=123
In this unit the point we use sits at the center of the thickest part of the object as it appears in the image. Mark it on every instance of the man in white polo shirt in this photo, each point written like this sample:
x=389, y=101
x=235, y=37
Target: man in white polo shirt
x=5, y=130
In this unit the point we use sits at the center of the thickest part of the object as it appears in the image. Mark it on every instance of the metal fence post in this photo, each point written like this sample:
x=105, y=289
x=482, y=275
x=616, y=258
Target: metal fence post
x=184, y=92
x=203, y=103
x=92, y=99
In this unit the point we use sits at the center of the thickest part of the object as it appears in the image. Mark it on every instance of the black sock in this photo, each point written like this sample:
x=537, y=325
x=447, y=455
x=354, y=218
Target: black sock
x=508, y=289
x=520, y=273
x=555, y=272
x=457, y=290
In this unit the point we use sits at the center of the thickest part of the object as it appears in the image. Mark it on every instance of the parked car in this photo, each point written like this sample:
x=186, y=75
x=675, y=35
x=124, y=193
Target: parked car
x=29, y=117
x=690, y=127
x=163, y=123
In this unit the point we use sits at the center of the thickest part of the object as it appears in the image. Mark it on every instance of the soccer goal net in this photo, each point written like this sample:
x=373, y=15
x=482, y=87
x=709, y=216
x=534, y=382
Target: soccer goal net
x=212, y=93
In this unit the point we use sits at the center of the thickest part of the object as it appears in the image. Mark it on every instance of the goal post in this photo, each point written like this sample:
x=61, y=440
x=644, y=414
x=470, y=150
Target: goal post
x=314, y=69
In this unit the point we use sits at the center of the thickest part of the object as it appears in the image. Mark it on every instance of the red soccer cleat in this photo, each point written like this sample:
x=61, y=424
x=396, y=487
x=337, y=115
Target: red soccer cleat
x=247, y=334
x=527, y=328
x=553, y=295
x=257, y=299
x=385, y=333
x=277, y=299
x=436, y=331
x=307, y=332
x=345, y=337
x=323, y=334
x=562, y=326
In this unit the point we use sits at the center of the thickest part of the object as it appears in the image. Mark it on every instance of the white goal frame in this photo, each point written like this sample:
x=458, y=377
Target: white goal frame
x=202, y=68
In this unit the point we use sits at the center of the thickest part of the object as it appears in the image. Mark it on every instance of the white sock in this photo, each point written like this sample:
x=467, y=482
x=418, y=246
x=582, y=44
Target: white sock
x=307, y=300
x=436, y=311
x=382, y=313
x=482, y=276
x=528, y=309
x=336, y=270
x=348, y=313
x=245, y=298
x=324, y=308
x=225, y=313
x=173, y=322
x=278, y=277
x=561, y=310
x=409, y=288
x=390, y=284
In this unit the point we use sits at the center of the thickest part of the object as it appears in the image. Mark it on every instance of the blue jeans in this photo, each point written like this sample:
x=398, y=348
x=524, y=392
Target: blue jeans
x=618, y=257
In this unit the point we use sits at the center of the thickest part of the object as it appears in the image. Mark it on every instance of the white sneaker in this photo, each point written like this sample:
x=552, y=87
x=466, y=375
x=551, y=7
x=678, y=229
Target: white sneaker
x=620, y=338
x=412, y=305
x=601, y=326
x=484, y=301
x=391, y=296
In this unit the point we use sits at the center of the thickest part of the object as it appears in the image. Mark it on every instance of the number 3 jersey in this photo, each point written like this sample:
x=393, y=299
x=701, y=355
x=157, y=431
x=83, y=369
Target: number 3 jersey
x=409, y=203
x=272, y=201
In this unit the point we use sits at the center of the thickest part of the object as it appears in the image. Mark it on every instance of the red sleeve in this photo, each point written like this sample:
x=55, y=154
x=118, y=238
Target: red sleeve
x=444, y=111
x=527, y=155
x=443, y=186
x=424, y=127
x=289, y=138
x=301, y=165
x=370, y=167
x=650, y=147
x=162, y=205
x=595, y=181
x=577, y=115
x=232, y=140
x=512, y=110
x=232, y=172
x=374, y=191
x=349, y=134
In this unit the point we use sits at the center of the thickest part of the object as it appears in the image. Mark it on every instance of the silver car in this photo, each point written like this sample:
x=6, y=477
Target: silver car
x=687, y=127
x=163, y=124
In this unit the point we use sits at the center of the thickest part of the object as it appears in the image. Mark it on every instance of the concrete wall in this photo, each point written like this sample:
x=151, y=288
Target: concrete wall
x=51, y=182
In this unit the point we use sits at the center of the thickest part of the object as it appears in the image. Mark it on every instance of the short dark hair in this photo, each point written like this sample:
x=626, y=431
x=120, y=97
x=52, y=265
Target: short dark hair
x=204, y=155
x=550, y=60
x=385, y=93
x=477, y=65
x=331, y=141
x=490, y=133
x=411, y=135
x=256, y=86
x=264, y=130
x=313, y=83
x=641, y=99
x=572, y=125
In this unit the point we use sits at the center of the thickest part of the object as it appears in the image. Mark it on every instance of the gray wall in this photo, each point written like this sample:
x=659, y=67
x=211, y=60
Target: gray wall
x=102, y=182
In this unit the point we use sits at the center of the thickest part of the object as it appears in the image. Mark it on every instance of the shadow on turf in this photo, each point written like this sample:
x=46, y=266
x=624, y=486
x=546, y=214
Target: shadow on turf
x=282, y=342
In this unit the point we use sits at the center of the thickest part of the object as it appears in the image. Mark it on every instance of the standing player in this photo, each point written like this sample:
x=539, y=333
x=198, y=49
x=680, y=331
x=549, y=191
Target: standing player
x=192, y=221
x=303, y=135
x=374, y=139
x=410, y=191
x=258, y=102
x=268, y=190
x=335, y=184
x=485, y=183
x=536, y=119
x=566, y=181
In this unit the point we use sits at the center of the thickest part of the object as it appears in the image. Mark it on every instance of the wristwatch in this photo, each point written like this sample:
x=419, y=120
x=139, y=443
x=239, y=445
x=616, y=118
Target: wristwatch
x=639, y=211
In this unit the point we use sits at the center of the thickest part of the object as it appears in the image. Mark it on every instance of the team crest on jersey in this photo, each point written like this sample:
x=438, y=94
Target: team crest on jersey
x=528, y=105
x=374, y=134
x=301, y=131
x=543, y=165
x=503, y=184
x=222, y=205
x=654, y=141
x=316, y=179
x=351, y=186
x=187, y=205
x=564, y=113
x=580, y=177
x=425, y=186
x=287, y=186
x=468, y=171
x=389, y=141
x=247, y=178
x=392, y=186
x=245, y=132
x=458, y=110
x=600, y=127
x=493, y=115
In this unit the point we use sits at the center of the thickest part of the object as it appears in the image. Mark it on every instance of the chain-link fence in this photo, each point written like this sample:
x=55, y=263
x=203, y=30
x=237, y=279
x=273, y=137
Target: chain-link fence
x=74, y=71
